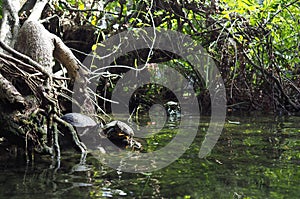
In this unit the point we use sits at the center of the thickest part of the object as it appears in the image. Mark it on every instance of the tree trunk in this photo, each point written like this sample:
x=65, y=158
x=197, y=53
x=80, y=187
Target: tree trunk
x=31, y=95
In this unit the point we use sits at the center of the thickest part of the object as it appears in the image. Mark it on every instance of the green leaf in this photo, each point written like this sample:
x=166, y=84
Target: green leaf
x=81, y=6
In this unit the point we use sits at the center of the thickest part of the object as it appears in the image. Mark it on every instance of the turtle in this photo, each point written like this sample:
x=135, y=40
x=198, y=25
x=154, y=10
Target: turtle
x=79, y=120
x=173, y=108
x=112, y=130
x=85, y=126
x=117, y=130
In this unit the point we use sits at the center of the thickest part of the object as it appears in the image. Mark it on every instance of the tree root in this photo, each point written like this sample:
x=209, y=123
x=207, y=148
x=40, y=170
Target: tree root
x=71, y=129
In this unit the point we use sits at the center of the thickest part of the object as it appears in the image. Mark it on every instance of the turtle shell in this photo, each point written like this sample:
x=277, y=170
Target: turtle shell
x=79, y=120
x=118, y=128
x=171, y=103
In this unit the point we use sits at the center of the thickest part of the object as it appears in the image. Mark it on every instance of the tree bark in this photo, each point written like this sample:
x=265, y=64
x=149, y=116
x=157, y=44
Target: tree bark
x=10, y=22
x=30, y=96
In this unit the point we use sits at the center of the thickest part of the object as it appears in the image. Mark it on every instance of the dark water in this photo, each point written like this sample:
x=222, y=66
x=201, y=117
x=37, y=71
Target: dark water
x=257, y=158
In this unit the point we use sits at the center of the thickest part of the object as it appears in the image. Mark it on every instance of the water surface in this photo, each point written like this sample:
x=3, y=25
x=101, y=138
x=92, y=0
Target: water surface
x=255, y=157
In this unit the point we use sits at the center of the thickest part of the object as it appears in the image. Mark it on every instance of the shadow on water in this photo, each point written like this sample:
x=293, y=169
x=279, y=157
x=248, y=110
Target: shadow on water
x=255, y=157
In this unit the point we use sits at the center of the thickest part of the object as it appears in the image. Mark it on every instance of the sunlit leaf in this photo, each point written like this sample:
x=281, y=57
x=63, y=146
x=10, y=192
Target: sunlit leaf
x=94, y=47
x=81, y=6
x=94, y=20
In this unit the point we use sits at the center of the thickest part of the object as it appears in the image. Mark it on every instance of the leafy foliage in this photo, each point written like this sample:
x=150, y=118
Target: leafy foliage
x=0, y=9
x=254, y=43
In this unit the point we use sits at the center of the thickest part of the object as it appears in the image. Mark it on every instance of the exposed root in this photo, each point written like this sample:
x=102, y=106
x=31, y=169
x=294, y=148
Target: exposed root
x=71, y=129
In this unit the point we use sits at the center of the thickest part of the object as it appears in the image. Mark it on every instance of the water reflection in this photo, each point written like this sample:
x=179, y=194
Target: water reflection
x=257, y=158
